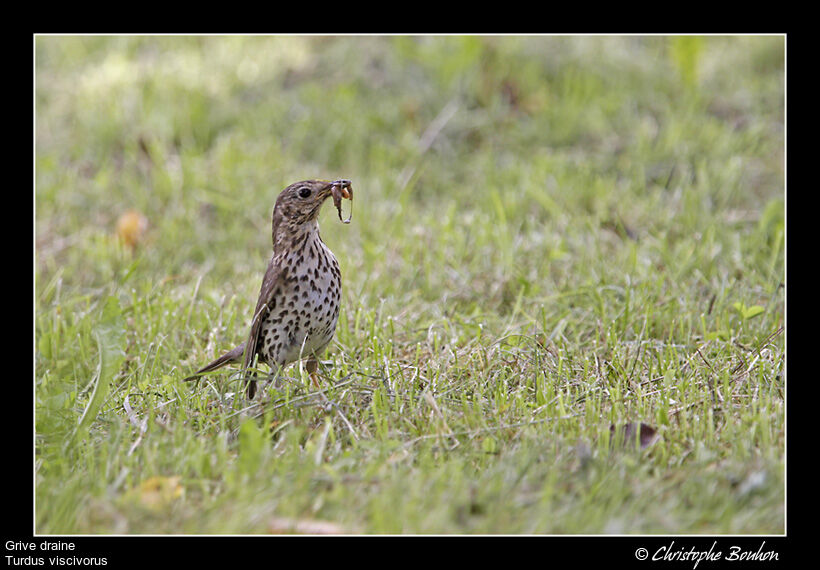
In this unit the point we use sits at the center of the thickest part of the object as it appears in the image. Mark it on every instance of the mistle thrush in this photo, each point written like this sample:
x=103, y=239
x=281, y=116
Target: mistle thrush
x=298, y=305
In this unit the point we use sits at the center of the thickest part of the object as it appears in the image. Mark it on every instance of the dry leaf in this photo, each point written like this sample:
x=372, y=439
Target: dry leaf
x=156, y=492
x=646, y=434
x=284, y=525
x=131, y=227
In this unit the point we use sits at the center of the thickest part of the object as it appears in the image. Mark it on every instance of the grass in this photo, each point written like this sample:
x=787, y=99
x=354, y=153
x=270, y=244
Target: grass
x=551, y=236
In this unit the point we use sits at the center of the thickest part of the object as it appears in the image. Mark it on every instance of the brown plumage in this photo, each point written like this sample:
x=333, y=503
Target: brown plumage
x=298, y=305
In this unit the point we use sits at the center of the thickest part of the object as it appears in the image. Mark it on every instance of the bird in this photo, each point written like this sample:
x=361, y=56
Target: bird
x=298, y=305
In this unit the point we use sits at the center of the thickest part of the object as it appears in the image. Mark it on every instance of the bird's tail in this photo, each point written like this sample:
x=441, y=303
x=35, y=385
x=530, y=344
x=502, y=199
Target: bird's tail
x=234, y=355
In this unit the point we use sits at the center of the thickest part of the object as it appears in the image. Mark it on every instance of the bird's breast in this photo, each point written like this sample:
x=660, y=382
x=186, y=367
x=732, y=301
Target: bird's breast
x=303, y=317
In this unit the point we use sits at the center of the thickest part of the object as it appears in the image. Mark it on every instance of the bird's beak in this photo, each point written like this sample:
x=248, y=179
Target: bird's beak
x=342, y=184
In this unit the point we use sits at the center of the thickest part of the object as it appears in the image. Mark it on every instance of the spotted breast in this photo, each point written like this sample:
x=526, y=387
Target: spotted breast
x=304, y=307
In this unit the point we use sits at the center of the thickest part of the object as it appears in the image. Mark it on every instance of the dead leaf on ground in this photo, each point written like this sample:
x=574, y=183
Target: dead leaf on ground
x=156, y=493
x=645, y=434
x=285, y=525
x=131, y=227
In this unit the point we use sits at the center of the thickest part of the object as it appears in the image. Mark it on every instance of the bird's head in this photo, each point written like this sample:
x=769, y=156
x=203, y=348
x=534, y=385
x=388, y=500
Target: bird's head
x=298, y=205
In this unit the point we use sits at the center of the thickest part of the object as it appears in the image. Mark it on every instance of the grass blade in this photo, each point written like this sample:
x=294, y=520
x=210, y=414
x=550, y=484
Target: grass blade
x=110, y=337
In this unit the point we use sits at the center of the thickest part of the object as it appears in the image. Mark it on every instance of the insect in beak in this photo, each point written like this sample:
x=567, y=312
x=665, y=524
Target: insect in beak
x=342, y=189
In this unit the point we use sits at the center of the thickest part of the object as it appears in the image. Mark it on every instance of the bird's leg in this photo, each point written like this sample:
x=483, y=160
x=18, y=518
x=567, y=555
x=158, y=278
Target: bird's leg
x=250, y=384
x=311, y=366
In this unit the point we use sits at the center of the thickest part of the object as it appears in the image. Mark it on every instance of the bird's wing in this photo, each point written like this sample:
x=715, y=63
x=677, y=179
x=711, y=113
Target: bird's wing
x=274, y=276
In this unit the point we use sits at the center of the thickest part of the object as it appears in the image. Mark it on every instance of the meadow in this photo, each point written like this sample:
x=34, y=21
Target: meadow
x=554, y=240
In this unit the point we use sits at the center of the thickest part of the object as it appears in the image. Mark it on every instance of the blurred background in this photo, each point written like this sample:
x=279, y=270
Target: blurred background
x=515, y=136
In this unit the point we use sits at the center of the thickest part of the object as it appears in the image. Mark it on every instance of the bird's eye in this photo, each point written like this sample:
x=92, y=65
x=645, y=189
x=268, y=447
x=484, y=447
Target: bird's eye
x=304, y=191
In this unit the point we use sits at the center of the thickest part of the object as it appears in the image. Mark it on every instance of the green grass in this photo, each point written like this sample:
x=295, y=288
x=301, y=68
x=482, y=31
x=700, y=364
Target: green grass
x=551, y=235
